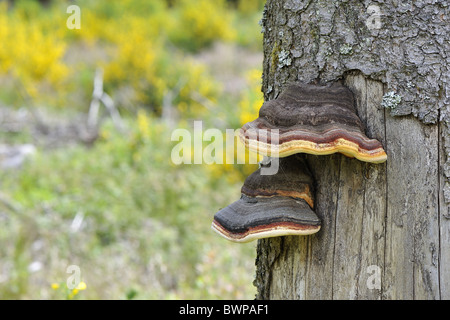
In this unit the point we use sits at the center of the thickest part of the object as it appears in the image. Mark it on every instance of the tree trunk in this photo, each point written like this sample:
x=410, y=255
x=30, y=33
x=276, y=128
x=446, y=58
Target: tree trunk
x=385, y=227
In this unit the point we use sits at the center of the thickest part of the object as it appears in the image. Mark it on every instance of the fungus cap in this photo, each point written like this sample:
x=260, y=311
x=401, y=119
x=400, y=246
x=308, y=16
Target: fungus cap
x=271, y=205
x=252, y=218
x=312, y=119
x=293, y=179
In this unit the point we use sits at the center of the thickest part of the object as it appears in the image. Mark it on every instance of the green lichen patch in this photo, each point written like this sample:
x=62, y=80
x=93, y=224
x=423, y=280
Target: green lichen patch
x=284, y=59
x=346, y=49
x=391, y=100
x=274, y=57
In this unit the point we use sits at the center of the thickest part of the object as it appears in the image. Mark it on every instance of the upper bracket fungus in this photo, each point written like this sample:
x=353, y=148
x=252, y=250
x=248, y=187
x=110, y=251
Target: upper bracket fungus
x=271, y=205
x=312, y=119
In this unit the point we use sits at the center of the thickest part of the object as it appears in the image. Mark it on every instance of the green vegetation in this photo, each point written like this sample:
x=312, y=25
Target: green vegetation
x=137, y=225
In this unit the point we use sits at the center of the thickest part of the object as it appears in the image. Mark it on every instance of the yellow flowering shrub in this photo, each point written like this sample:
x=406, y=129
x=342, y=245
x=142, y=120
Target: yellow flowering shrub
x=144, y=125
x=100, y=21
x=5, y=30
x=93, y=28
x=136, y=50
x=38, y=56
x=249, y=105
x=253, y=98
x=138, y=61
x=31, y=55
x=249, y=109
x=244, y=163
x=135, y=55
x=202, y=22
x=198, y=89
x=250, y=6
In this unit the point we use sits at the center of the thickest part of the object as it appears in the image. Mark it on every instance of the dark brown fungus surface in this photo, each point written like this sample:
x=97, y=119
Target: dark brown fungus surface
x=293, y=179
x=271, y=205
x=312, y=119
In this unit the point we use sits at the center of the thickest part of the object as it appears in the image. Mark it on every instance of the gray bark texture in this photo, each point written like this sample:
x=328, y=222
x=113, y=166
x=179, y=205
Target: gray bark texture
x=386, y=227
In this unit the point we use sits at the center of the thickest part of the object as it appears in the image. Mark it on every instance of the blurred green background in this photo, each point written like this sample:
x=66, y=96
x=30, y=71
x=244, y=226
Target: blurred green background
x=107, y=197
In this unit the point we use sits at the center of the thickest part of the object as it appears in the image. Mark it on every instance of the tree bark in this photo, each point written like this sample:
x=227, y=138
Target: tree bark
x=386, y=227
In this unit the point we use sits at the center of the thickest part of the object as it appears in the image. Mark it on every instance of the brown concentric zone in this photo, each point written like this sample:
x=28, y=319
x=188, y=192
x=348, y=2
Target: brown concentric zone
x=305, y=194
x=296, y=140
x=265, y=231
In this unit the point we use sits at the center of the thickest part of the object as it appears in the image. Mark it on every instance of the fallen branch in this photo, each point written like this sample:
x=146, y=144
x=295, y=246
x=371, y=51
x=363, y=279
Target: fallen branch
x=98, y=95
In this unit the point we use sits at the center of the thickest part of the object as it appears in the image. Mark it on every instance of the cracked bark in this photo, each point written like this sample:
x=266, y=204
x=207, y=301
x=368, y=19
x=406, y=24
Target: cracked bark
x=394, y=217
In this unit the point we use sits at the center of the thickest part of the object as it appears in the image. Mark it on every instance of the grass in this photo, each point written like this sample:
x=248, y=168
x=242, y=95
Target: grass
x=145, y=224
x=136, y=225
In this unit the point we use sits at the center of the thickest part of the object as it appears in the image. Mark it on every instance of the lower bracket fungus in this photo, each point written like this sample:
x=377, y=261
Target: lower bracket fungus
x=271, y=205
x=312, y=119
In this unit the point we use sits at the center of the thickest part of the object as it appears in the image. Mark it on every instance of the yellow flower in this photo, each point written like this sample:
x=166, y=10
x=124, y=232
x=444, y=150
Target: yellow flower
x=105, y=134
x=143, y=124
x=55, y=286
x=81, y=286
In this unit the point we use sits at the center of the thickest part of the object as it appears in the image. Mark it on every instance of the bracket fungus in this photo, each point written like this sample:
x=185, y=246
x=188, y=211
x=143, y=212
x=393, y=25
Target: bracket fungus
x=271, y=205
x=312, y=119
